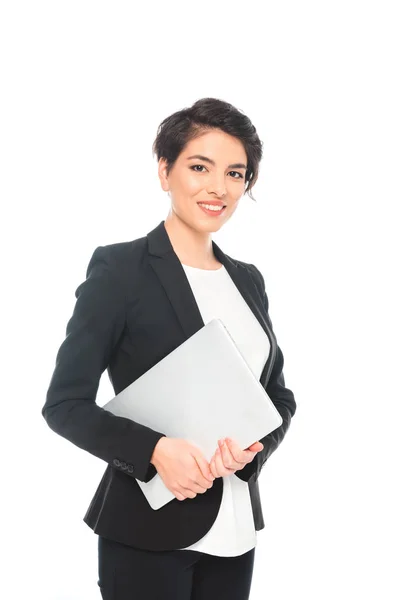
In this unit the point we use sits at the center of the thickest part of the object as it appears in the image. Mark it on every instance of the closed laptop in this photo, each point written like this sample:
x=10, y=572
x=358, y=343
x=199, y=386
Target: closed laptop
x=202, y=391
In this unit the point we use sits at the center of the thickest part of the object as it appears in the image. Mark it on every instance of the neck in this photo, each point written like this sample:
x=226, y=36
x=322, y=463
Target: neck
x=192, y=247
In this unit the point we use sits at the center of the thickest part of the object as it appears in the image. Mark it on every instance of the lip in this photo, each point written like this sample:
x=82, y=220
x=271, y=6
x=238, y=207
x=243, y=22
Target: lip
x=213, y=213
x=213, y=203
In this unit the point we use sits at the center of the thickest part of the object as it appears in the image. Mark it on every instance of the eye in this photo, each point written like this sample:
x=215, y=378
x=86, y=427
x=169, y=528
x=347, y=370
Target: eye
x=193, y=167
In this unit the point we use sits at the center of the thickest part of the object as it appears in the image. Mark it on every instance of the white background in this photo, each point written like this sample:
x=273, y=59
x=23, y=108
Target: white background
x=84, y=88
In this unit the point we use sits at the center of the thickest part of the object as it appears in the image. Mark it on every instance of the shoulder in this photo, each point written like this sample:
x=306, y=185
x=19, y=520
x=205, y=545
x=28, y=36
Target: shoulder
x=254, y=273
x=117, y=258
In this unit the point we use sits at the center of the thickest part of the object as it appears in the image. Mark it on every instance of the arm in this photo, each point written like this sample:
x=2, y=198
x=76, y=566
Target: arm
x=92, y=333
x=281, y=396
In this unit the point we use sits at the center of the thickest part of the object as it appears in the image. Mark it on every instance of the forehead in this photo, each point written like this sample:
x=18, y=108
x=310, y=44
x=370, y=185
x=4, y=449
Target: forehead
x=217, y=145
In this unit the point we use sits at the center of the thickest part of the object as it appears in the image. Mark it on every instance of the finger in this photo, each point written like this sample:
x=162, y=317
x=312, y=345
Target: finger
x=235, y=450
x=256, y=447
x=227, y=458
x=237, y=453
x=188, y=493
x=203, y=467
x=246, y=456
x=214, y=466
x=220, y=466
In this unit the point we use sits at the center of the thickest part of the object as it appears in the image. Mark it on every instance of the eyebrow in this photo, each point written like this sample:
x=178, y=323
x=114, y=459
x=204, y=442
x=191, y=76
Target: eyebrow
x=201, y=157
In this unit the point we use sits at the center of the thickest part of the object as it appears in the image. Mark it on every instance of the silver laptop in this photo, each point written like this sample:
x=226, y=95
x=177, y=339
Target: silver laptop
x=202, y=391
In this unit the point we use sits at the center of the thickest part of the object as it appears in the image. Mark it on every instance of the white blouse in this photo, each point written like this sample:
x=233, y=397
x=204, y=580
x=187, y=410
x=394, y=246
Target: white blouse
x=233, y=532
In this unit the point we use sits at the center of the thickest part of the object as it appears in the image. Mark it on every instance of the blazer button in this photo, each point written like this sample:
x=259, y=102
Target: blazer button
x=123, y=465
x=130, y=469
x=117, y=462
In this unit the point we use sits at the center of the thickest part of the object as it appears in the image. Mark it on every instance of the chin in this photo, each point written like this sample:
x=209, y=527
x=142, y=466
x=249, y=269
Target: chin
x=209, y=227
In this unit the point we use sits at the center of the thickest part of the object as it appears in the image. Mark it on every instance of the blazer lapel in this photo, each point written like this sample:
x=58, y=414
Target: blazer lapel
x=172, y=276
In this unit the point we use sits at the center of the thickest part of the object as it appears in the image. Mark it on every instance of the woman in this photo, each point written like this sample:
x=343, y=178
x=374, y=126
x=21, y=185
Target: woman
x=140, y=300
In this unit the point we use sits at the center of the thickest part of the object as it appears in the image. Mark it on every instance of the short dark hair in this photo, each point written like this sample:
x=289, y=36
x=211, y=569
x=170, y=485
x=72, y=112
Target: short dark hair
x=175, y=131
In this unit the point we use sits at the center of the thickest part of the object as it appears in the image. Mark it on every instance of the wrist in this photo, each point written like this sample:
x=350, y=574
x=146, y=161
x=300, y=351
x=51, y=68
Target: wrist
x=154, y=456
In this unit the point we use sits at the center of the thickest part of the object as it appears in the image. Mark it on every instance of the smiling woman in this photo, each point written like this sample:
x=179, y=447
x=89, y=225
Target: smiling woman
x=215, y=189
x=142, y=299
x=208, y=158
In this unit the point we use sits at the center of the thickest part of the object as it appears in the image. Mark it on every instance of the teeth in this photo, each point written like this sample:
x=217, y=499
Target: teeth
x=211, y=207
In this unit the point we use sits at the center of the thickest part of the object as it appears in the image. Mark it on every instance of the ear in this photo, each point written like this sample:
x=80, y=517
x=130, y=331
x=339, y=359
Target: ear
x=162, y=174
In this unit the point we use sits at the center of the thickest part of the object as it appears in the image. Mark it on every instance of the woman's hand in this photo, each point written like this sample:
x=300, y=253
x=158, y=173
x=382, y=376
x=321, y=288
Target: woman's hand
x=229, y=457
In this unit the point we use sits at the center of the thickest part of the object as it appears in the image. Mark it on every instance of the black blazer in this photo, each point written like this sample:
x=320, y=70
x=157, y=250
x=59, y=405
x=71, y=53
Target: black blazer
x=134, y=308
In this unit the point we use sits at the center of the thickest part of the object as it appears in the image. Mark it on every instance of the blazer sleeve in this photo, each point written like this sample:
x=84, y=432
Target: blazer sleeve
x=281, y=396
x=92, y=332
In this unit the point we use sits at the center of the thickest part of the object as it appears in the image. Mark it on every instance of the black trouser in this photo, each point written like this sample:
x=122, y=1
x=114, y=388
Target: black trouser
x=127, y=573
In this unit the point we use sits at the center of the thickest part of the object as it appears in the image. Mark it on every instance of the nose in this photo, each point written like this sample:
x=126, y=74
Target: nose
x=217, y=186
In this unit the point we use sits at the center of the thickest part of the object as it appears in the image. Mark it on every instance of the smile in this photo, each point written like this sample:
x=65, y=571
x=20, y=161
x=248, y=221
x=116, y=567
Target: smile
x=211, y=209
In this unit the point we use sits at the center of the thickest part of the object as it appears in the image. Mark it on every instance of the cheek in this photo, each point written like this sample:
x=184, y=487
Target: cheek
x=193, y=185
x=236, y=189
x=238, y=196
x=187, y=192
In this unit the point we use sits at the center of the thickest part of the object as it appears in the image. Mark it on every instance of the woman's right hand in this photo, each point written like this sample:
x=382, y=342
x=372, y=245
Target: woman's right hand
x=182, y=467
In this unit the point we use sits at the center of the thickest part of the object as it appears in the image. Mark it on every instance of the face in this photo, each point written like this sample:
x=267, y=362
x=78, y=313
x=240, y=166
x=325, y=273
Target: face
x=217, y=177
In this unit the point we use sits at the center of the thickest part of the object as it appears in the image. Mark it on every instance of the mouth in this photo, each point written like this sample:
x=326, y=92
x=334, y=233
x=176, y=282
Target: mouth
x=211, y=208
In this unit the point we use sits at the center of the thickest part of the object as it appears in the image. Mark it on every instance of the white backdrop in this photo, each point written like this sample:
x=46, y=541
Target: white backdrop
x=84, y=86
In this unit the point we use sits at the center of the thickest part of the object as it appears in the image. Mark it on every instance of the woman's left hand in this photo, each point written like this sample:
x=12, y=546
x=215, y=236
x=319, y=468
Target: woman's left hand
x=229, y=457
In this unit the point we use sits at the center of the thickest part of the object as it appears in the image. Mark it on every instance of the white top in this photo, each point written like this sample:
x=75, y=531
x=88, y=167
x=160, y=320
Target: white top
x=233, y=532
